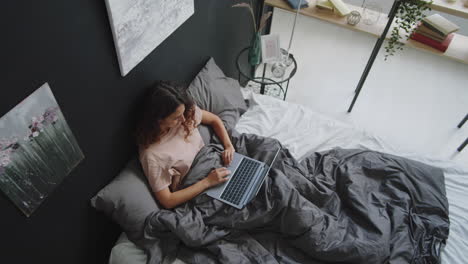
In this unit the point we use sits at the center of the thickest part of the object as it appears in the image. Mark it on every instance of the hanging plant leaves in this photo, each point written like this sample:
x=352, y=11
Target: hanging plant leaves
x=408, y=15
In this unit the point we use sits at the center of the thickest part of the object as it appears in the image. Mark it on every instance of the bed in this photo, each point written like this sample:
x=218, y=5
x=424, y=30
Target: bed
x=292, y=125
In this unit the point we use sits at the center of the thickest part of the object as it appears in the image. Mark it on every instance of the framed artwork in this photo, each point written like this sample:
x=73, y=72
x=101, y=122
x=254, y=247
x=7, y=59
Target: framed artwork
x=271, y=48
x=37, y=150
x=139, y=26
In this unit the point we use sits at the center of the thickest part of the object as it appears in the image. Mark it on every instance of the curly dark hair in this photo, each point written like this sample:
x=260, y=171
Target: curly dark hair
x=161, y=100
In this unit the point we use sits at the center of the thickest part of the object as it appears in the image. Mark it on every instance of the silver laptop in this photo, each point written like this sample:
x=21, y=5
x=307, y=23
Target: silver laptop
x=246, y=178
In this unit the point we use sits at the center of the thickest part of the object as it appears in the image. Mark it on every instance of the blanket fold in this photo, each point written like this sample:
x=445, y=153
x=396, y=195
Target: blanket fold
x=342, y=206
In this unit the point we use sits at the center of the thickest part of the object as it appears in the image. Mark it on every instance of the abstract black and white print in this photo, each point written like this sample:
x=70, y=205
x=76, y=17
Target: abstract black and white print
x=139, y=26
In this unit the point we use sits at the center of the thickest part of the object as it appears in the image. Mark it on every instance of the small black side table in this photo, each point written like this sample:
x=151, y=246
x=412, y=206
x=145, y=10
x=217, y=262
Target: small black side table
x=242, y=59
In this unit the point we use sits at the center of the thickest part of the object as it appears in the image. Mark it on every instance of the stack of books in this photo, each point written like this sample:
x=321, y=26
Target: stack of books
x=435, y=31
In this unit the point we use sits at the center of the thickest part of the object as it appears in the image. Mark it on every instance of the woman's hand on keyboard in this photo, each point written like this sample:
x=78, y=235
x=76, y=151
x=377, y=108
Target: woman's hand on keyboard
x=228, y=154
x=217, y=176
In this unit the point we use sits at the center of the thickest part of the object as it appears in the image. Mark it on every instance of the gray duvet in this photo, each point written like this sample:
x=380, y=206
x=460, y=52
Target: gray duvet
x=340, y=206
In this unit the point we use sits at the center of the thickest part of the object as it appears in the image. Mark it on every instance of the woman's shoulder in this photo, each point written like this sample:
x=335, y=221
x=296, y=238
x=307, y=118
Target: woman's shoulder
x=197, y=115
x=152, y=153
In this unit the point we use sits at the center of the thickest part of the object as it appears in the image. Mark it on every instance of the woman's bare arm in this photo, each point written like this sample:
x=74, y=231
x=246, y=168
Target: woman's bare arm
x=218, y=126
x=170, y=199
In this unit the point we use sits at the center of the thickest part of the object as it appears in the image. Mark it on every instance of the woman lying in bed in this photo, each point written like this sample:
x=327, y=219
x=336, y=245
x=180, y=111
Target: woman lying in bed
x=168, y=141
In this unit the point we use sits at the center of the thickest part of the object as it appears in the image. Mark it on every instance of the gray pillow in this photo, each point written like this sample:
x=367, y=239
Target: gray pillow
x=216, y=93
x=128, y=199
x=234, y=95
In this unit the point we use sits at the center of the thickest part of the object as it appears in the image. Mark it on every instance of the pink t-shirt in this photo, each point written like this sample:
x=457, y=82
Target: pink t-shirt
x=167, y=161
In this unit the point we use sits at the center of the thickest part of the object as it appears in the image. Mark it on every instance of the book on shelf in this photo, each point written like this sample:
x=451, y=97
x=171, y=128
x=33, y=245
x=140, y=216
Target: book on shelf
x=440, y=24
x=340, y=7
x=325, y=5
x=442, y=46
x=433, y=29
x=424, y=30
x=438, y=39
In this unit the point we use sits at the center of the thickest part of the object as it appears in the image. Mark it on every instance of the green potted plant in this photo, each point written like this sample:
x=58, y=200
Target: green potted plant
x=255, y=51
x=409, y=14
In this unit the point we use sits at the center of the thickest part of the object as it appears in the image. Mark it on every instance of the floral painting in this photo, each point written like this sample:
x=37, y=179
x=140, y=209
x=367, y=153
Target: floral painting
x=37, y=150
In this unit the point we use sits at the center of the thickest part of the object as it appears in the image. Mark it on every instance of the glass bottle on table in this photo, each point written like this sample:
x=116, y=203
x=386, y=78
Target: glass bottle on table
x=278, y=69
x=371, y=13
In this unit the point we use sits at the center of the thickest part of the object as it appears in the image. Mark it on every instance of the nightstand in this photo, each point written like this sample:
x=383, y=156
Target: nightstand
x=277, y=87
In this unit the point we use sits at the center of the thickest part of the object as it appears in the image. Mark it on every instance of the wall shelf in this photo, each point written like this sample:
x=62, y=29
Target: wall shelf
x=456, y=9
x=458, y=49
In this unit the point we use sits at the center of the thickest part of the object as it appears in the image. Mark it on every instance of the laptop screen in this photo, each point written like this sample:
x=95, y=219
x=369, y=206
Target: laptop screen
x=272, y=159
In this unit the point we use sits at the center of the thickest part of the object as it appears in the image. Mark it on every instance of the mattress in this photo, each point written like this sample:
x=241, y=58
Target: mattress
x=303, y=132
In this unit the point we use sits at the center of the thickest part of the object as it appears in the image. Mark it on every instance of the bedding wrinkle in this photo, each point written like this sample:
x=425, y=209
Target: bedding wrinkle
x=307, y=171
x=316, y=133
x=316, y=206
x=347, y=206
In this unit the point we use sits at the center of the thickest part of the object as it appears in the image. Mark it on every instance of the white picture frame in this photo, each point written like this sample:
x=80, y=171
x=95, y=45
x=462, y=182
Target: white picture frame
x=270, y=48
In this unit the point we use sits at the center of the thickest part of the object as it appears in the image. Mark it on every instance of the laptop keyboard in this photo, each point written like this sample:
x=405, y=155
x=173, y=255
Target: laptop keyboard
x=240, y=181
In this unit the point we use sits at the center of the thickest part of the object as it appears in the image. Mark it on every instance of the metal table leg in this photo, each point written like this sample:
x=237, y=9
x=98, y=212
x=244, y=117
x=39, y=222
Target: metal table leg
x=375, y=51
x=463, y=121
x=286, y=91
x=462, y=146
x=262, y=86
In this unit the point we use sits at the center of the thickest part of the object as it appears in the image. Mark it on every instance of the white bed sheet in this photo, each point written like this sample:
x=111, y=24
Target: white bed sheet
x=304, y=131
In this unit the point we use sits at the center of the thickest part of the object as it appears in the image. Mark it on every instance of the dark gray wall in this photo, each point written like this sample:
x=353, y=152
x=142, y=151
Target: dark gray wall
x=69, y=45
